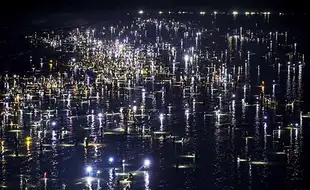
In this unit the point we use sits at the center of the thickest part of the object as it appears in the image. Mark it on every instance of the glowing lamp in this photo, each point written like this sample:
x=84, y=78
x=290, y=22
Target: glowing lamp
x=161, y=116
x=89, y=169
x=111, y=159
x=147, y=163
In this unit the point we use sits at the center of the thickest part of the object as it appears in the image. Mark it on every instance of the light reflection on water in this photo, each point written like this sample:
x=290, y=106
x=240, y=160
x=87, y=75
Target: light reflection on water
x=211, y=106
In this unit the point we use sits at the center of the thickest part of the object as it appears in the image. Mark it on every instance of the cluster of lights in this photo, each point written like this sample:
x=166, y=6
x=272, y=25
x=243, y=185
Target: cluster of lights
x=147, y=162
x=215, y=13
x=89, y=169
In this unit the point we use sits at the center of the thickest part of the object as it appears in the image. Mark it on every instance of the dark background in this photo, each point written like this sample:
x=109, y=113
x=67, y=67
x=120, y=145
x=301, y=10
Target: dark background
x=43, y=6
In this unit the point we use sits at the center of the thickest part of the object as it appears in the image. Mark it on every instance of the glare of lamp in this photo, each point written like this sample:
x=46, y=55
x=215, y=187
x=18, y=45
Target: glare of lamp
x=89, y=169
x=147, y=162
x=111, y=159
x=161, y=116
x=186, y=58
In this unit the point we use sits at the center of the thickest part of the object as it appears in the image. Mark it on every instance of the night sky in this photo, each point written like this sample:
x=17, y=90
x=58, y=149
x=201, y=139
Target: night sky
x=31, y=6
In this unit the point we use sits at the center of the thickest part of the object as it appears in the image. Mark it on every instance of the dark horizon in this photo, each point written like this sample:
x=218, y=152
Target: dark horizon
x=39, y=7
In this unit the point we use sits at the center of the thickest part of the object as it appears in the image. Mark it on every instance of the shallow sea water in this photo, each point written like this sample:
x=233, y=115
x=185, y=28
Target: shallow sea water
x=228, y=113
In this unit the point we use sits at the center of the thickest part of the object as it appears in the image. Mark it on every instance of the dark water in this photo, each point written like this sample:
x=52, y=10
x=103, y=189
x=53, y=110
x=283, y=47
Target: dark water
x=219, y=107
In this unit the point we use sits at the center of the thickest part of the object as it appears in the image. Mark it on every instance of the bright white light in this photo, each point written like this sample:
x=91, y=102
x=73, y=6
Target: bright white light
x=160, y=12
x=202, y=13
x=143, y=90
x=161, y=116
x=98, y=172
x=89, y=169
x=235, y=12
x=73, y=59
x=265, y=117
x=134, y=108
x=233, y=95
x=186, y=58
x=187, y=113
x=147, y=162
x=141, y=12
x=111, y=159
x=215, y=12
x=123, y=161
x=53, y=123
x=100, y=114
x=247, y=13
